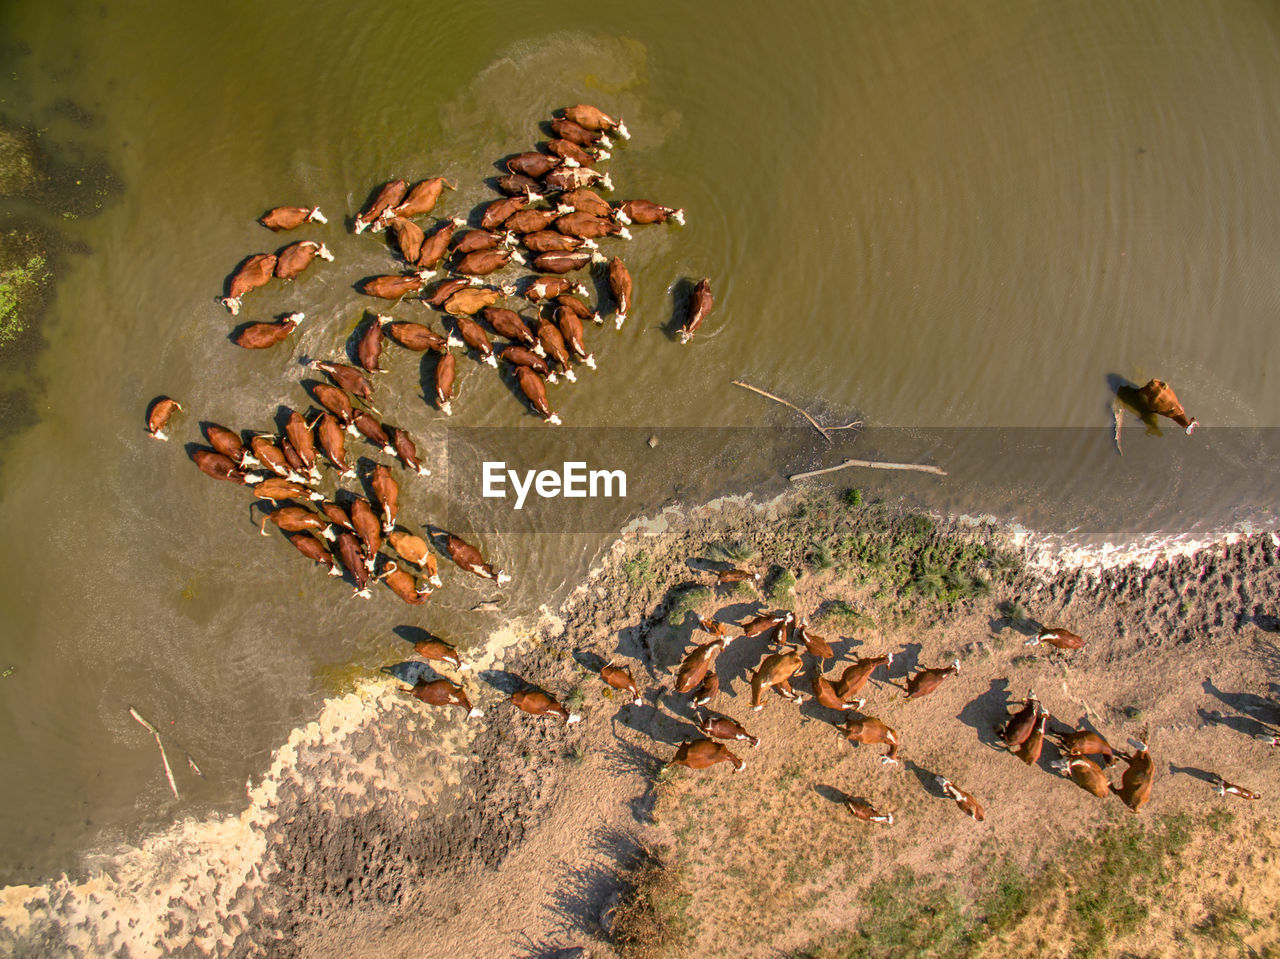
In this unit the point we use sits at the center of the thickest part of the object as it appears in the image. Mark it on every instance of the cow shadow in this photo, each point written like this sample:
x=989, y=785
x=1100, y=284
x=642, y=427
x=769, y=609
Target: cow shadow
x=831, y=793
x=681, y=297
x=987, y=711
x=1264, y=622
x=1250, y=703
x=927, y=779
x=411, y=671
x=414, y=634
x=1130, y=398
x=1242, y=724
x=1195, y=773
x=905, y=663
x=738, y=660
x=649, y=720
x=503, y=681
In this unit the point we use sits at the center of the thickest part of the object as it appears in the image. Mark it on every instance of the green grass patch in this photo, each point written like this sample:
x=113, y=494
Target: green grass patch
x=638, y=570
x=838, y=614
x=685, y=601
x=729, y=551
x=778, y=587
x=16, y=283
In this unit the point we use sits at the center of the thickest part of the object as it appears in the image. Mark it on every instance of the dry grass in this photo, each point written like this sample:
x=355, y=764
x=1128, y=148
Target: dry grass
x=650, y=921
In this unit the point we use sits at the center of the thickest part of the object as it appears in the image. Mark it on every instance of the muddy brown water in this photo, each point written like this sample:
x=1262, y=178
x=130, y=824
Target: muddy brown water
x=950, y=219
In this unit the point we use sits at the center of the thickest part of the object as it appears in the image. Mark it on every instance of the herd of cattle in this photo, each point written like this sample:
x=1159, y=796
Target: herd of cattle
x=348, y=530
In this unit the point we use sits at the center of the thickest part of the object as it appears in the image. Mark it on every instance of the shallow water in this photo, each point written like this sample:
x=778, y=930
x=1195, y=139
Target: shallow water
x=931, y=215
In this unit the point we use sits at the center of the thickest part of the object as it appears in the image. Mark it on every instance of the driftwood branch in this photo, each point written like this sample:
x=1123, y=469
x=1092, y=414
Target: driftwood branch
x=873, y=465
x=1119, y=417
x=824, y=430
x=163, y=758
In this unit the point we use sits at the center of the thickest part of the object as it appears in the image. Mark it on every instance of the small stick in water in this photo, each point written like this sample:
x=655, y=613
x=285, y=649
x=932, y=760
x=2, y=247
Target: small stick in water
x=163, y=758
x=192, y=763
x=871, y=464
x=1119, y=415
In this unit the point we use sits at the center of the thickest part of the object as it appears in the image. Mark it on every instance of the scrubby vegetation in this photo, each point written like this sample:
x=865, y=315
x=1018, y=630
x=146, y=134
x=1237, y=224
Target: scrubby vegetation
x=651, y=919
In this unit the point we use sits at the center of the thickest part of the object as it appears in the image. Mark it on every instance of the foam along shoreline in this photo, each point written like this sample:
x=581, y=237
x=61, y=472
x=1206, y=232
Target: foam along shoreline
x=209, y=882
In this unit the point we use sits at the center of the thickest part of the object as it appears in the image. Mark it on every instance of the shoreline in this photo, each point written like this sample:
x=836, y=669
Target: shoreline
x=370, y=756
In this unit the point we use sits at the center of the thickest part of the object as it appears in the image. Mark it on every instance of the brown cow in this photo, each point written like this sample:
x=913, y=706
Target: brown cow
x=510, y=324
x=927, y=680
x=336, y=401
x=296, y=257
x=866, y=812
x=620, y=289
x=826, y=695
x=553, y=343
x=725, y=577
x=701, y=753
x=517, y=184
x=587, y=201
x=719, y=726
x=570, y=325
x=260, y=336
x=1061, y=638
x=436, y=245
x=473, y=240
x=589, y=227
x=352, y=558
x=519, y=356
x=469, y=558
x=856, y=675
x=524, y=222
x=1224, y=788
x=1085, y=773
x=619, y=677
x=395, y=286
x=348, y=378
x=408, y=237
x=336, y=515
x=442, y=692
x=158, y=416
x=275, y=489
x=413, y=549
x=573, y=154
x=254, y=272
x=387, y=492
x=537, y=703
x=566, y=178
x=473, y=299
x=442, y=293
x=415, y=336
x=329, y=433
x=1135, y=784
x=403, y=584
x=1029, y=750
x=365, y=522
x=484, y=262
x=228, y=444
x=272, y=457
x=446, y=372
x=303, y=441
x=212, y=463
x=389, y=196
x=1085, y=742
x=762, y=624
x=438, y=651
x=313, y=549
x=497, y=212
x=592, y=118
x=406, y=452
x=968, y=805
x=474, y=336
x=1018, y=727
x=1160, y=399
x=536, y=393
x=295, y=462
x=549, y=287
x=775, y=672
x=290, y=217
x=422, y=197
x=868, y=731
x=532, y=164
x=297, y=519
x=549, y=241
x=695, y=665
x=567, y=301
x=566, y=129
x=706, y=690
x=562, y=262
x=699, y=306
x=815, y=644
x=369, y=346
x=643, y=211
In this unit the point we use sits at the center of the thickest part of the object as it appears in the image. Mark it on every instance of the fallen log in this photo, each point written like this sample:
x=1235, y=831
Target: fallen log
x=870, y=464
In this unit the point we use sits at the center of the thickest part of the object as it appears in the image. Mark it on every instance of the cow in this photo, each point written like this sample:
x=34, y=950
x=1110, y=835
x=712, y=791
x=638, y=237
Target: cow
x=365, y=522
x=446, y=372
x=303, y=441
x=619, y=677
x=272, y=457
x=825, y=693
x=968, y=805
x=1223, y=788
x=1085, y=742
x=290, y=217
x=403, y=584
x=643, y=211
x=719, y=726
x=775, y=672
x=1085, y=773
x=572, y=153
x=162, y=408
x=579, y=308
x=566, y=129
x=473, y=240
x=856, y=675
x=390, y=195
x=254, y=272
x=335, y=400
x=725, y=577
x=415, y=336
x=468, y=557
x=699, y=306
x=868, y=731
x=706, y=690
x=570, y=325
x=297, y=519
x=525, y=222
x=1030, y=748
x=517, y=184
x=442, y=293
x=352, y=558
x=369, y=346
x=549, y=241
x=589, y=227
x=1135, y=785
x=565, y=178
x=701, y=753
x=407, y=452
x=295, y=462
x=438, y=651
x=594, y=119
x=414, y=549
x=553, y=343
x=863, y=810
x=1018, y=727
x=336, y=515
x=536, y=393
x=815, y=644
x=584, y=200
x=561, y=263
x=408, y=238
x=474, y=336
x=434, y=247
x=497, y=212
x=715, y=628
x=694, y=667
x=927, y=680
x=228, y=444
x=387, y=492
x=261, y=336
x=1058, y=637
x=212, y=463
x=395, y=286
x=472, y=300
x=532, y=164
x=1160, y=399
x=762, y=624
x=484, y=262
x=296, y=257
x=329, y=433
x=550, y=287
x=510, y=324
x=537, y=703
x=519, y=356
x=442, y=692
x=422, y=197
x=275, y=489
x=620, y=290
x=313, y=549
